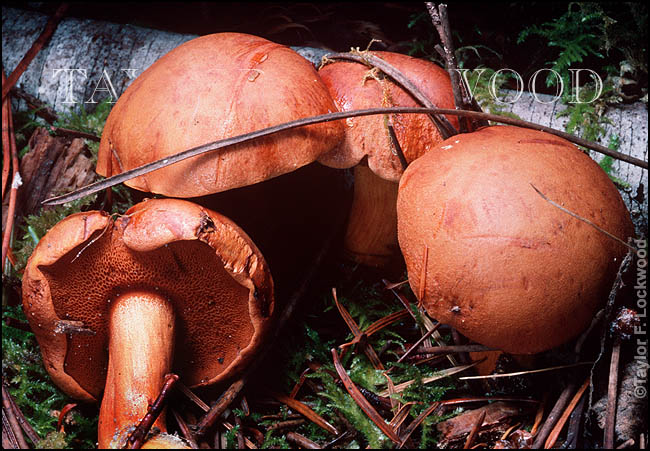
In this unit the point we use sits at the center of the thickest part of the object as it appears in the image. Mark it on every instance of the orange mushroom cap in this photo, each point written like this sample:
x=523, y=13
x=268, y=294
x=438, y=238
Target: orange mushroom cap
x=209, y=269
x=210, y=88
x=505, y=267
x=353, y=87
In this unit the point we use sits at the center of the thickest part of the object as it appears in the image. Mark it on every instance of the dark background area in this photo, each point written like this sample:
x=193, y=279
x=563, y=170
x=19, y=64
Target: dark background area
x=491, y=28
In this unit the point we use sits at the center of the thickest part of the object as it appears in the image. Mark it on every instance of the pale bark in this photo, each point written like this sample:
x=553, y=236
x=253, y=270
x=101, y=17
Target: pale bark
x=101, y=46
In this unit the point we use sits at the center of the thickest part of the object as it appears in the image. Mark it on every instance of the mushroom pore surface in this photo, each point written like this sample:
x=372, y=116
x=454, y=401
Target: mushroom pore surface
x=218, y=317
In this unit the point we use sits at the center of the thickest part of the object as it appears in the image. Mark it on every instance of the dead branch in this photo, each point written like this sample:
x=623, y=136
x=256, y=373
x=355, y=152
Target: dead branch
x=224, y=143
x=138, y=436
x=45, y=36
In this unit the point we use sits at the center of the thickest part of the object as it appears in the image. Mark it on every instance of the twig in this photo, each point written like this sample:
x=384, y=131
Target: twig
x=393, y=285
x=459, y=401
x=459, y=340
x=609, y=311
x=137, y=437
x=437, y=376
x=64, y=412
x=385, y=322
x=419, y=342
x=287, y=424
x=344, y=435
x=612, y=391
x=398, y=148
x=441, y=23
x=302, y=441
x=185, y=430
x=9, y=439
x=400, y=298
x=361, y=401
x=359, y=336
x=48, y=31
x=190, y=395
x=240, y=435
x=552, y=438
x=445, y=128
x=14, y=426
x=220, y=405
x=583, y=337
x=573, y=432
x=585, y=220
x=16, y=181
x=66, y=132
x=401, y=415
x=415, y=423
x=539, y=416
x=552, y=418
x=24, y=424
x=522, y=373
x=248, y=443
x=395, y=404
x=454, y=349
x=224, y=143
x=305, y=410
x=6, y=144
x=40, y=108
x=300, y=383
x=426, y=323
x=505, y=435
x=475, y=428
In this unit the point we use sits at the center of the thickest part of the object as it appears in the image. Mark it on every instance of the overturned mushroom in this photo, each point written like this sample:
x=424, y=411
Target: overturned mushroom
x=488, y=255
x=169, y=286
x=371, y=236
x=210, y=88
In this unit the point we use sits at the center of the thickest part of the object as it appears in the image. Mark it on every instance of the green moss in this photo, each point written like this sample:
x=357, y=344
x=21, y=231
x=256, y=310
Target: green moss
x=33, y=390
x=36, y=226
x=231, y=438
x=340, y=400
x=86, y=122
x=275, y=442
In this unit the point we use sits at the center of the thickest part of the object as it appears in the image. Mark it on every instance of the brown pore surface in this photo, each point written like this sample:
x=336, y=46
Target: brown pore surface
x=213, y=275
x=505, y=267
x=353, y=87
x=210, y=88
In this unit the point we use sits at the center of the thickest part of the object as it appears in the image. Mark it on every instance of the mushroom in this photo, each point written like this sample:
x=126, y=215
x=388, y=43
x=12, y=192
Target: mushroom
x=167, y=276
x=371, y=236
x=488, y=255
x=210, y=88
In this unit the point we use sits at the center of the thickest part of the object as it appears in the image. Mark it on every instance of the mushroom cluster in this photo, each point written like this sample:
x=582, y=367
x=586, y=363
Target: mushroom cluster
x=371, y=235
x=117, y=303
x=487, y=254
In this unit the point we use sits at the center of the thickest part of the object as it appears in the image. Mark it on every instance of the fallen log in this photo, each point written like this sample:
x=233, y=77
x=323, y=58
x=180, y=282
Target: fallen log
x=88, y=60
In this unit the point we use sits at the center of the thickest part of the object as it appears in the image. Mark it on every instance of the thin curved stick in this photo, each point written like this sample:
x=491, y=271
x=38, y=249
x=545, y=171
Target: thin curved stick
x=443, y=125
x=164, y=162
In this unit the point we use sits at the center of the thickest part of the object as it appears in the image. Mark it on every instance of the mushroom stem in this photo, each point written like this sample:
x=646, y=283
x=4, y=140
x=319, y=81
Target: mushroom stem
x=371, y=236
x=141, y=340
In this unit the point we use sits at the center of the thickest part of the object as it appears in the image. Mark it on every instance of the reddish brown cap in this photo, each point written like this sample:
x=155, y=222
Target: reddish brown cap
x=505, y=267
x=353, y=87
x=202, y=262
x=210, y=88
